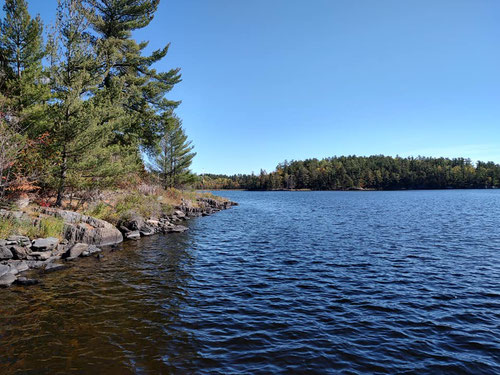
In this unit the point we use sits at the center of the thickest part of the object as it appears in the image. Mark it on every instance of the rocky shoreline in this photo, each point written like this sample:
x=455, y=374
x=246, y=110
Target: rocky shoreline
x=83, y=236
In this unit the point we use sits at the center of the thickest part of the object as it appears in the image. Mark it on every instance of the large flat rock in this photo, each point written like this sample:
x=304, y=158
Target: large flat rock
x=86, y=229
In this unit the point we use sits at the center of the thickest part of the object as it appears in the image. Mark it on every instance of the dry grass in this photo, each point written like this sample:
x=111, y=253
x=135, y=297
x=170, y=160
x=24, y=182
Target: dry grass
x=149, y=201
x=42, y=228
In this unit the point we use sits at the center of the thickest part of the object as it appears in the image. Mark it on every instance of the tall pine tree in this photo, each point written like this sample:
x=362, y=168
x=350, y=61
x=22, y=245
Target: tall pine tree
x=80, y=119
x=131, y=81
x=173, y=154
x=22, y=82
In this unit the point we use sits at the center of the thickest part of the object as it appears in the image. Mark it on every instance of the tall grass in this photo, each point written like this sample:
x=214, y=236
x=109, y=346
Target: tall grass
x=44, y=227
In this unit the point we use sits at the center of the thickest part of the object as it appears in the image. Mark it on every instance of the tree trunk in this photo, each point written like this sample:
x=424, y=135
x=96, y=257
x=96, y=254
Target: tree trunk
x=62, y=178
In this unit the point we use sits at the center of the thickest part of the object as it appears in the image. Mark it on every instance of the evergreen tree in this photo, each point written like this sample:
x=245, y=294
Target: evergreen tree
x=130, y=79
x=80, y=119
x=21, y=49
x=173, y=155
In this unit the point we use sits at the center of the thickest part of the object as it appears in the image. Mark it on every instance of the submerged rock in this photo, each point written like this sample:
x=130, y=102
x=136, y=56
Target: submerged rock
x=51, y=267
x=25, y=281
x=35, y=264
x=178, y=229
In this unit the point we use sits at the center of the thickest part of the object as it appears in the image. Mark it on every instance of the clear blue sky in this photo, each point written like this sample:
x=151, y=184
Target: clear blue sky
x=269, y=80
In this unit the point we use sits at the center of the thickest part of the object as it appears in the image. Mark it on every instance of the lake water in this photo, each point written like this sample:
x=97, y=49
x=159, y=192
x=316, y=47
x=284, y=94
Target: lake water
x=287, y=282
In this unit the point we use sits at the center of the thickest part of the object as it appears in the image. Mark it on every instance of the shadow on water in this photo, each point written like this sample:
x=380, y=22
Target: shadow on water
x=119, y=315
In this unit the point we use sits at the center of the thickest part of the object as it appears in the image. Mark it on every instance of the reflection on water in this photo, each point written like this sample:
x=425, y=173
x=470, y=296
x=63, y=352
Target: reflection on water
x=308, y=282
x=119, y=315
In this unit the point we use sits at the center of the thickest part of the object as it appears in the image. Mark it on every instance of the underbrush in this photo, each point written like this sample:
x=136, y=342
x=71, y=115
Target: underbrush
x=147, y=201
x=42, y=228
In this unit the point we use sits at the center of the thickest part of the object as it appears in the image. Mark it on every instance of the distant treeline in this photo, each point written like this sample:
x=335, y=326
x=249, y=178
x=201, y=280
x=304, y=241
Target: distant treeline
x=376, y=172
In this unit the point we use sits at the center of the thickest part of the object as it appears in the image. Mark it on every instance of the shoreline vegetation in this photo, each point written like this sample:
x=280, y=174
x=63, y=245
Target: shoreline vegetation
x=363, y=173
x=37, y=239
x=91, y=149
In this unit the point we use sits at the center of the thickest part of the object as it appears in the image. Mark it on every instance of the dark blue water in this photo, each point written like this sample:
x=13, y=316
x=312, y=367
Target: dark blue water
x=287, y=282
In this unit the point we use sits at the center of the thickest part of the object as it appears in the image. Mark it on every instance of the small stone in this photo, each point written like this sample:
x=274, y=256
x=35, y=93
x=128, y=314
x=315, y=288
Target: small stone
x=147, y=231
x=5, y=253
x=153, y=223
x=41, y=255
x=7, y=279
x=178, y=229
x=45, y=244
x=76, y=250
x=180, y=214
x=13, y=269
x=35, y=264
x=19, y=240
x=133, y=235
x=20, y=265
x=4, y=269
x=20, y=252
x=94, y=249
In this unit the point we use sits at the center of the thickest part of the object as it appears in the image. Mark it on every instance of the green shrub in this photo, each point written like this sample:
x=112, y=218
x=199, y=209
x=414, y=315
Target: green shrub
x=101, y=210
x=50, y=227
x=45, y=227
x=7, y=227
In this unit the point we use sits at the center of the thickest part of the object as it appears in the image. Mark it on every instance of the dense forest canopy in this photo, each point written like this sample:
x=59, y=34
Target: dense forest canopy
x=376, y=172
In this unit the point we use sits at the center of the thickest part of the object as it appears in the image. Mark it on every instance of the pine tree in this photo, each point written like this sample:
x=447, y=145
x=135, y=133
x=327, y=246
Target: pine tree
x=80, y=120
x=131, y=81
x=173, y=155
x=22, y=81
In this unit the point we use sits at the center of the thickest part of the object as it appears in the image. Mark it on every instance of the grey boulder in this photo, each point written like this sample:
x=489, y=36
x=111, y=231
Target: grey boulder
x=76, y=250
x=86, y=229
x=20, y=265
x=45, y=244
x=20, y=252
x=7, y=279
x=41, y=255
x=18, y=240
x=5, y=253
x=4, y=269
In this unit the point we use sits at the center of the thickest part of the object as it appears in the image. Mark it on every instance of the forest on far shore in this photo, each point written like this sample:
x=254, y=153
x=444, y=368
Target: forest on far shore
x=375, y=172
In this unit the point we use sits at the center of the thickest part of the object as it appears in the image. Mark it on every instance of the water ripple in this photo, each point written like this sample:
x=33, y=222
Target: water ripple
x=306, y=282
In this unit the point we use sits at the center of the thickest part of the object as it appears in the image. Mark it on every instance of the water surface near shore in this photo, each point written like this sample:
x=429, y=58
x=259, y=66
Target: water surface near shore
x=286, y=282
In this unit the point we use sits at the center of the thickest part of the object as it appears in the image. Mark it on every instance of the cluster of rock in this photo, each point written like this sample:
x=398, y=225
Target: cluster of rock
x=19, y=254
x=82, y=235
x=136, y=226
